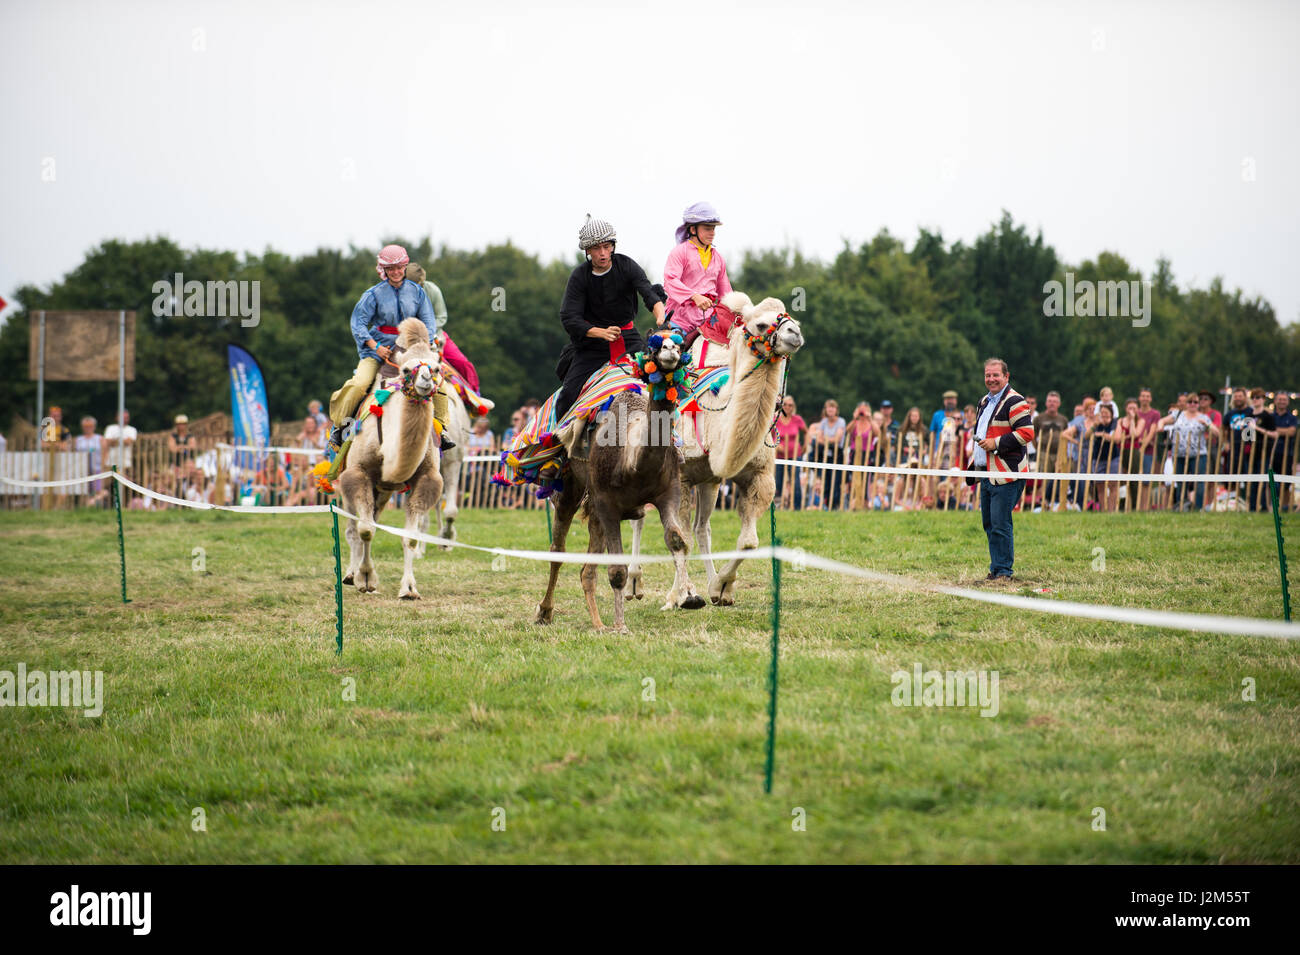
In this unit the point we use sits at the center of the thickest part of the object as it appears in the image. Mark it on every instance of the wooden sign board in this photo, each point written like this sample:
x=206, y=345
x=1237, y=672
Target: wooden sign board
x=80, y=346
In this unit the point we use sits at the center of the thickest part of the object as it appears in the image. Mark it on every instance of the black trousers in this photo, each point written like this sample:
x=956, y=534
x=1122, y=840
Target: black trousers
x=580, y=369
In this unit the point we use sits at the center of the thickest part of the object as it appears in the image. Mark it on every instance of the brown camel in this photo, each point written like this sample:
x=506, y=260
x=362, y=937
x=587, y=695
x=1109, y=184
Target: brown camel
x=631, y=462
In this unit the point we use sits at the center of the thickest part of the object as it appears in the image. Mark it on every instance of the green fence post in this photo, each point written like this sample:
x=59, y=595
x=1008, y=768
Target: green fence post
x=338, y=581
x=776, y=642
x=121, y=541
x=1281, y=548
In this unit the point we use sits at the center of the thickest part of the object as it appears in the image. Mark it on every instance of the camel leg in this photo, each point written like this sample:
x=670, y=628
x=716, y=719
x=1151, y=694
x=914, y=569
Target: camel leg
x=683, y=592
x=450, y=510
x=705, y=497
x=611, y=531
x=634, y=590
x=359, y=498
x=354, y=548
x=595, y=545
x=752, y=499
x=565, y=507
x=423, y=527
x=425, y=491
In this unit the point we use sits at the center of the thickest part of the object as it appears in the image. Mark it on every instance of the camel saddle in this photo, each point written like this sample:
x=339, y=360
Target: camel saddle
x=718, y=325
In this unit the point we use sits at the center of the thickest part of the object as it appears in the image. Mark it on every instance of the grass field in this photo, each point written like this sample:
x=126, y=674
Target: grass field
x=223, y=693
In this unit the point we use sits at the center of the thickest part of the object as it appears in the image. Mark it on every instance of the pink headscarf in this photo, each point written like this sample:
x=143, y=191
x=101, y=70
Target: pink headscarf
x=389, y=256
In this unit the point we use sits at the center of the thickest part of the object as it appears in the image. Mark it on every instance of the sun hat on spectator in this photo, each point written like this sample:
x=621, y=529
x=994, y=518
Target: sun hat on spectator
x=950, y=393
x=181, y=419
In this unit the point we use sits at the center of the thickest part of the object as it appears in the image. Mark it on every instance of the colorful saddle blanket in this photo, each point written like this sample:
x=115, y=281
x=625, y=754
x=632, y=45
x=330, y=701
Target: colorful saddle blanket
x=475, y=403
x=537, y=455
x=703, y=381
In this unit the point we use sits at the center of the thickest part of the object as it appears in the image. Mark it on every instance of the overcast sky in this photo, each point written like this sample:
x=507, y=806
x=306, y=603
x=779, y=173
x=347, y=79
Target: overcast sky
x=1147, y=129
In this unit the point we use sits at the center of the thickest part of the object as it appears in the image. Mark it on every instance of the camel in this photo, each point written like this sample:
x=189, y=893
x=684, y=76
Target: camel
x=727, y=439
x=631, y=462
x=391, y=451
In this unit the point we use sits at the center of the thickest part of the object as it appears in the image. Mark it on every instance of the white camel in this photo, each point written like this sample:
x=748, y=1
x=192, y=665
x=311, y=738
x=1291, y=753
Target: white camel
x=393, y=450
x=729, y=436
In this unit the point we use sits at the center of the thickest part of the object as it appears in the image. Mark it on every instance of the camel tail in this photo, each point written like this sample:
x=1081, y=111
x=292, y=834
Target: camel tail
x=412, y=332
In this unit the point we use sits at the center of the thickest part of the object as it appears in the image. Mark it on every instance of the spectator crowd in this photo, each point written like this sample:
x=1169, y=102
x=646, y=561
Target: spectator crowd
x=1096, y=443
x=1188, y=438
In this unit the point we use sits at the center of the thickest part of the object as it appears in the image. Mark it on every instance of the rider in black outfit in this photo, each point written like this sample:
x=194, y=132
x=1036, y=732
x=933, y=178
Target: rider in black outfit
x=599, y=307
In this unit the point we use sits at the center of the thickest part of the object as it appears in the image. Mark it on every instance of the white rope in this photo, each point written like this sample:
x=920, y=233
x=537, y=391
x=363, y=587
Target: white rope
x=1204, y=623
x=234, y=508
x=67, y=483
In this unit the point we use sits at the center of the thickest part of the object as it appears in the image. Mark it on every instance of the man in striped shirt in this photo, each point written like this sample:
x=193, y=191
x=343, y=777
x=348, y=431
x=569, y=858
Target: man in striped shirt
x=1002, y=431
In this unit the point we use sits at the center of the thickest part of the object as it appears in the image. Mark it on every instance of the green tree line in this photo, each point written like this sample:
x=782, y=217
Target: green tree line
x=880, y=321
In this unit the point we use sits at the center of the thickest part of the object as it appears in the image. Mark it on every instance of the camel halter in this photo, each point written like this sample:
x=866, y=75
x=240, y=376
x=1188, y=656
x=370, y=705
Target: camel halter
x=671, y=385
x=762, y=347
x=408, y=382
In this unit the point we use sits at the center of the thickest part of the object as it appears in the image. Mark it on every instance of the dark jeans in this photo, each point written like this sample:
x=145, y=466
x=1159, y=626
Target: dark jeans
x=1191, y=464
x=996, y=503
x=785, y=473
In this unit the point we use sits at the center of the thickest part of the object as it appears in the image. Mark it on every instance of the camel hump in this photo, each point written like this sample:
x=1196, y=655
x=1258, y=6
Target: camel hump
x=736, y=301
x=774, y=306
x=412, y=331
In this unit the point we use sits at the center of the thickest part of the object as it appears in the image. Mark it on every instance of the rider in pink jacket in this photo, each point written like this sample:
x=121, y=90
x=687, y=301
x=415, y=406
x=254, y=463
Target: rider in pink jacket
x=695, y=275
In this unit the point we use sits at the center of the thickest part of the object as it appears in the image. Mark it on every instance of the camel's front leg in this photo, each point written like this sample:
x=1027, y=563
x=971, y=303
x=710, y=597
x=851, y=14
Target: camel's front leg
x=752, y=499
x=683, y=593
x=595, y=545
x=450, y=485
x=634, y=590
x=359, y=498
x=705, y=497
x=354, y=549
x=425, y=491
x=565, y=508
x=423, y=528
x=612, y=532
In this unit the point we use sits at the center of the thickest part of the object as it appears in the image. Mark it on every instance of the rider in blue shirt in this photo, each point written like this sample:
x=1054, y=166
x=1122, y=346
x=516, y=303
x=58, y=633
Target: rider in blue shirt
x=374, y=323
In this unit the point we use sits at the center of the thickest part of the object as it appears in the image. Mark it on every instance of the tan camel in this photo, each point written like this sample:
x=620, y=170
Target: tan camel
x=729, y=436
x=391, y=451
x=630, y=462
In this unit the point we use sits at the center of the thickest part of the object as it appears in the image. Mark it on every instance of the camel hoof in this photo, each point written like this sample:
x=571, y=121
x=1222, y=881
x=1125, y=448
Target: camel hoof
x=348, y=580
x=543, y=616
x=693, y=602
x=411, y=596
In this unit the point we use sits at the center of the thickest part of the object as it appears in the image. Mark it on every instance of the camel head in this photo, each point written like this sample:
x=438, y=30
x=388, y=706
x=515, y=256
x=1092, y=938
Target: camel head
x=666, y=350
x=767, y=321
x=419, y=359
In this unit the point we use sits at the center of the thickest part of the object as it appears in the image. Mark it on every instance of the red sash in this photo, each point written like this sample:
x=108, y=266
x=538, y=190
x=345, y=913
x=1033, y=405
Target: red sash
x=617, y=349
x=388, y=329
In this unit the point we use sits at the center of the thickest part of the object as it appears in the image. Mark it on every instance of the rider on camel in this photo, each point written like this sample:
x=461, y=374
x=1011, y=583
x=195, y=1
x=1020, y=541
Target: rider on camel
x=375, y=318
x=695, y=275
x=599, y=309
